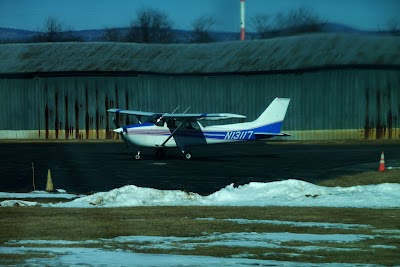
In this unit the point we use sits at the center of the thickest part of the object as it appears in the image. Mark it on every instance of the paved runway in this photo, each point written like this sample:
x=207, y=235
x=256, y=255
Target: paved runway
x=92, y=167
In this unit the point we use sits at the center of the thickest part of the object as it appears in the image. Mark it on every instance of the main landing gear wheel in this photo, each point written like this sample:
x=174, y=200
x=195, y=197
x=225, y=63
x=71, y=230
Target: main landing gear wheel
x=188, y=155
x=137, y=156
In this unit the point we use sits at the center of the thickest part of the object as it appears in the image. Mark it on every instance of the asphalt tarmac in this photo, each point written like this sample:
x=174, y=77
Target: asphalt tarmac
x=88, y=167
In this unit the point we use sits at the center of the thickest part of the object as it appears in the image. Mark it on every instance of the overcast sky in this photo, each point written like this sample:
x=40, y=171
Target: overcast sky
x=98, y=14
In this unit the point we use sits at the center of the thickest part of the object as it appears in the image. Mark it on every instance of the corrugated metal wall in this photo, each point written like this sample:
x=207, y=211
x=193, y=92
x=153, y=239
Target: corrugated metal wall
x=334, y=104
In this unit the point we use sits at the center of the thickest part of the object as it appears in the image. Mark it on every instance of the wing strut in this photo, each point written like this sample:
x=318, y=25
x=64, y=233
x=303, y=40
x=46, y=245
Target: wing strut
x=172, y=134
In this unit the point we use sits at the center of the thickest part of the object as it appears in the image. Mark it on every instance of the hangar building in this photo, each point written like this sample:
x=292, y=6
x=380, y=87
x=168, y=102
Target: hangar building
x=341, y=86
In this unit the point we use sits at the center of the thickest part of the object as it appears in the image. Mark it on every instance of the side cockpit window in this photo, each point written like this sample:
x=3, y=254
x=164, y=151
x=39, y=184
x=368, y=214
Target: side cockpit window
x=193, y=125
x=171, y=124
x=183, y=125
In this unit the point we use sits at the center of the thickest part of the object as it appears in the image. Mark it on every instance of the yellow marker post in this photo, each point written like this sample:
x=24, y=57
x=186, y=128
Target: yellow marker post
x=49, y=185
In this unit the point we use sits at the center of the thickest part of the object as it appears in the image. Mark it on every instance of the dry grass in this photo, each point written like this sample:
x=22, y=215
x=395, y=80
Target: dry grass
x=37, y=223
x=365, y=178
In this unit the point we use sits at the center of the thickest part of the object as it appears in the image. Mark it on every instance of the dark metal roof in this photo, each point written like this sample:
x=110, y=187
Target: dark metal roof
x=279, y=54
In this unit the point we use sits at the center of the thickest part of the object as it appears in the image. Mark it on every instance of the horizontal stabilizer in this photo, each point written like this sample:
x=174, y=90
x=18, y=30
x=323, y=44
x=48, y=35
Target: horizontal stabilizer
x=271, y=134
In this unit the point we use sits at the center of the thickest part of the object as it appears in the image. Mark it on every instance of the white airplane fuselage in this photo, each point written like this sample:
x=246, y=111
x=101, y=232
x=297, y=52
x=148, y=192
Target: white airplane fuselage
x=142, y=135
x=168, y=130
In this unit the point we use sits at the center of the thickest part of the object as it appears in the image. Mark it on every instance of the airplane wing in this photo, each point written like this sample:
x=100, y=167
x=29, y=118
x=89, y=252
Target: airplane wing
x=132, y=112
x=203, y=116
x=193, y=116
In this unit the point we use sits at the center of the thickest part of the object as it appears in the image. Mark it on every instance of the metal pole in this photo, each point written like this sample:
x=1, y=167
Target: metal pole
x=242, y=20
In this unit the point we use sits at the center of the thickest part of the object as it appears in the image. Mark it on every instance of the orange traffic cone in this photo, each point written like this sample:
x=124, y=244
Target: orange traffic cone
x=382, y=163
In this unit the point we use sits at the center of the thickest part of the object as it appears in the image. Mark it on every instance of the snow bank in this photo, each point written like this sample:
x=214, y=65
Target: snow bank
x=135, y=196
x=39, y=194
x=281, y=193
x=18, y=203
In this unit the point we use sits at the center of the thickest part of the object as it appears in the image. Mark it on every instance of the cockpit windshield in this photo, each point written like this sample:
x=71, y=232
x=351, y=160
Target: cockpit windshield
x=156, y=119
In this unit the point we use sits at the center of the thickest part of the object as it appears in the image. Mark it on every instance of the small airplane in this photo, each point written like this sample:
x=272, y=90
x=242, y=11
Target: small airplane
x=170, y=130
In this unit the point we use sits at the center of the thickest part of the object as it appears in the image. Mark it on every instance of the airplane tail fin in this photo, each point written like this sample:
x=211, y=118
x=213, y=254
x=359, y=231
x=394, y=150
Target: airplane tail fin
x=270, y=121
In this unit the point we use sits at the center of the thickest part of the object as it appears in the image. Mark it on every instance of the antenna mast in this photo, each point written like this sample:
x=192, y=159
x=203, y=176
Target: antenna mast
x=242, y=20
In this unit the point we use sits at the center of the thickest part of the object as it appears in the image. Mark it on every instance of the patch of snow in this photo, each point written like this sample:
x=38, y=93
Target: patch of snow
x=135, y=196
x=109, y=256
x=290, y=237
x=17, y=203
x=383, y=246
x=51, y=242
x=61, y=190
x=39, y=194
x=387, y=231
x=101, y=257
x=297, y=224
x=242, y=239
x=315, y=248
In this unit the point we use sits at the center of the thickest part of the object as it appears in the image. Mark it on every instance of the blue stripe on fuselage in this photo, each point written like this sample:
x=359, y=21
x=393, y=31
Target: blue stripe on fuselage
x=270, y=128
x=248, y=134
